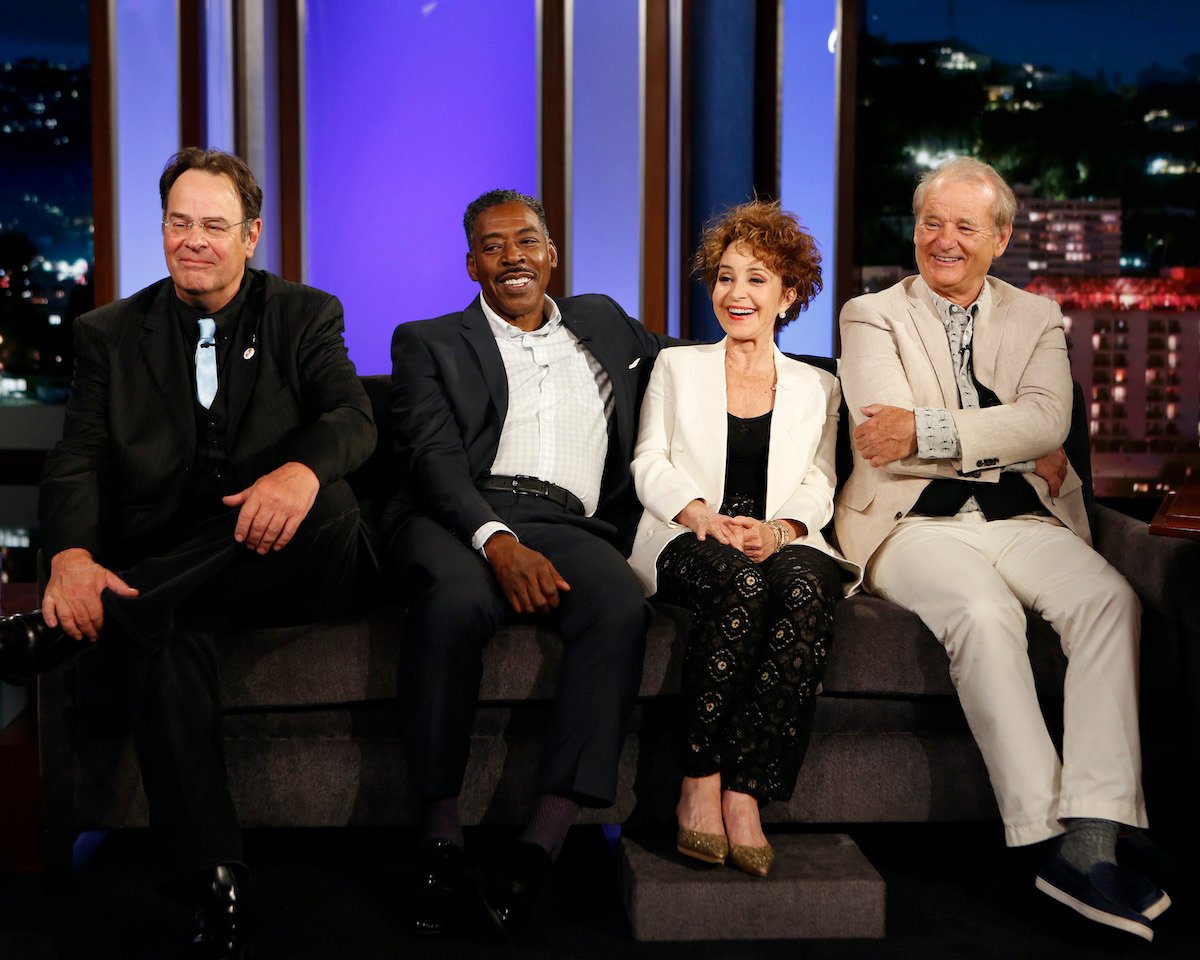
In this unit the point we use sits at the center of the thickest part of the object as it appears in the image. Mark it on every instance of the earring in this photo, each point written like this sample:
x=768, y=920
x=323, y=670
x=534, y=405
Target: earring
x=782, y=314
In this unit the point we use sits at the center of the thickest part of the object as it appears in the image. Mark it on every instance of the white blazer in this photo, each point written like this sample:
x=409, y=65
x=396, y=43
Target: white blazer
x=682, y=445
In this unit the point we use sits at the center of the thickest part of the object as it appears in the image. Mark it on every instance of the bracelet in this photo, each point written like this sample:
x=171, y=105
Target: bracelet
x=783, y=535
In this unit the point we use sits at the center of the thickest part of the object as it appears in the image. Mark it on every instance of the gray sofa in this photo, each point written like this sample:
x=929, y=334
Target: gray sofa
x=312, y=734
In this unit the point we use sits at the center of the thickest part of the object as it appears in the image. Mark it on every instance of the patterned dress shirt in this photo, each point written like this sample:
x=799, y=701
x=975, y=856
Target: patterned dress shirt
x=559, y=405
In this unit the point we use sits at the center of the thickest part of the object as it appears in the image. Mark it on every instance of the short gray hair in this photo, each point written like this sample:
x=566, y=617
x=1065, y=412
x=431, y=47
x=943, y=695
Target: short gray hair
x=494, y=198
x=970, y=170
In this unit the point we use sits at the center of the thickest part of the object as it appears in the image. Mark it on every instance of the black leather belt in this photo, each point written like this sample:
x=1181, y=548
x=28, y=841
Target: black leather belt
x=533, y=487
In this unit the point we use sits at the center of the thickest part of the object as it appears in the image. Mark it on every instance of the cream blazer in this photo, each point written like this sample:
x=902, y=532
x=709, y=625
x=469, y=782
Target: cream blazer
x=895, y=352
x=682, y=444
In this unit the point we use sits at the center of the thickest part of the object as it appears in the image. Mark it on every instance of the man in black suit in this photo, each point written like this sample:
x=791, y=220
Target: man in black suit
x=212, y=419
x=515, y=421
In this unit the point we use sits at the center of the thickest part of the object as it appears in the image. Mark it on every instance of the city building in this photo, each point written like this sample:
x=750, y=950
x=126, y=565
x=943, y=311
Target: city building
x=1061, y=238
x=1134, y=344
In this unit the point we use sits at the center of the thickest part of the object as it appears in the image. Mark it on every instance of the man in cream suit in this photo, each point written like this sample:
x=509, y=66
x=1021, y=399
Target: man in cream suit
x=962, y=507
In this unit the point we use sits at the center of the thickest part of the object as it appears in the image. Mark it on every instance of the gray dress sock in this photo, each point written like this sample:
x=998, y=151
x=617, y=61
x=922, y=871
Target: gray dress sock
x=552, y=818
x=1088, y=842
x=439, y=821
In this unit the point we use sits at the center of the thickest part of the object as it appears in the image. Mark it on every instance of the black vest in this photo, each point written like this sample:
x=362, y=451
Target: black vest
x=1010, y=497
x=210, y=476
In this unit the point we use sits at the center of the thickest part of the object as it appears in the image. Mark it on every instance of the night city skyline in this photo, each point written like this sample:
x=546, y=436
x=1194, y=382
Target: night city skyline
x=1087, y=36
x=46, y=247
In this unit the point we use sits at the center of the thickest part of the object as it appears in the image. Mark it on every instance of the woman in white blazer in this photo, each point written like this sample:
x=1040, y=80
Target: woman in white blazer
x=735, y=468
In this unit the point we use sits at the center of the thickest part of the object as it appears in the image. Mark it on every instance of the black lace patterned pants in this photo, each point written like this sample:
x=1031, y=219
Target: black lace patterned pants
x=754, y=658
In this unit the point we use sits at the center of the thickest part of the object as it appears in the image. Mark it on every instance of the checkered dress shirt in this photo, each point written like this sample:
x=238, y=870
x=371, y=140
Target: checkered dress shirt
x=559, y=405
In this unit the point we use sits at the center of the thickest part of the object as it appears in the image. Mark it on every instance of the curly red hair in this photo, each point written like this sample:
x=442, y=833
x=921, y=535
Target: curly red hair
x=776, y=238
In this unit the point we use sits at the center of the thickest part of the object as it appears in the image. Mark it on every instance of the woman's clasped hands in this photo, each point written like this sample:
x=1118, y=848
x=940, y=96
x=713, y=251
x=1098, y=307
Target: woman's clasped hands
x=752, y=537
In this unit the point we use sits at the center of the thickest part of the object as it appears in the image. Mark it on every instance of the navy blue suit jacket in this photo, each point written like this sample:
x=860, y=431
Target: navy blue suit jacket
x=450, y=397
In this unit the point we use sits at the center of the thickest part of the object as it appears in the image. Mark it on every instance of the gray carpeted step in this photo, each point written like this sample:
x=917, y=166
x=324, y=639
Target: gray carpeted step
x=820, y=887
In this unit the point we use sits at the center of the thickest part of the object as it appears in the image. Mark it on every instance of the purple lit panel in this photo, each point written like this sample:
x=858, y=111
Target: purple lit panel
x=606, y=230
x=808, y=175
x=145, y=55
x=412, y=110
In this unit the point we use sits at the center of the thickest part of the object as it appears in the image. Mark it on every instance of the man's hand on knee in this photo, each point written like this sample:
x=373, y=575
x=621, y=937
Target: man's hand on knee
x=529, y=580
x=274, y=506
x=72, y=597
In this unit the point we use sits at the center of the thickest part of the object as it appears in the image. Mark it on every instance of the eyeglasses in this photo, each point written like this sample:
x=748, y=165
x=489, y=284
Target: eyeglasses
x=177, y=227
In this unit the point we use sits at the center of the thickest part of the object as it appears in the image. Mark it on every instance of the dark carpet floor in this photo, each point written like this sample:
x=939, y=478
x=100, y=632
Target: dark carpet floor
x=953, y=891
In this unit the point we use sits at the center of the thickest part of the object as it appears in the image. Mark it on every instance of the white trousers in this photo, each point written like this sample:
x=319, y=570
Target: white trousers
x=969, y=579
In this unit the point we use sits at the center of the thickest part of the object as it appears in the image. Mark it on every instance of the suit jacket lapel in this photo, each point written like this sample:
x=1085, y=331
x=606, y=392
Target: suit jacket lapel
x=479, y=336
x=781, y=469
x=937, y=344
x=243, y=372
x=713, y=403
x=602, y=349
x=988, y=337
x=168, y=365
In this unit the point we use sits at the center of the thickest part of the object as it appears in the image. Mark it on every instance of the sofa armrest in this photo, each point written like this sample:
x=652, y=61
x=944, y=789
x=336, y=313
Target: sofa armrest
x=1165, y=571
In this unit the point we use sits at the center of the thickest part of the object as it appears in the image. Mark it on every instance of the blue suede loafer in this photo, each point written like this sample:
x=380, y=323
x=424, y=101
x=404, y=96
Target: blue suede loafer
x=1143, y=895
x=1099, y=895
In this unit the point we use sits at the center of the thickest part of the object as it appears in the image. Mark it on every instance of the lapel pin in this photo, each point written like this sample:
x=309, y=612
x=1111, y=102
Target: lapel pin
x=248, y=354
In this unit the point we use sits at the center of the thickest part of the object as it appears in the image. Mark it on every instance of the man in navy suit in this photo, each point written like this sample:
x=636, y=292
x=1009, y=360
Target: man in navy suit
x=515, y=422
x=212, y=419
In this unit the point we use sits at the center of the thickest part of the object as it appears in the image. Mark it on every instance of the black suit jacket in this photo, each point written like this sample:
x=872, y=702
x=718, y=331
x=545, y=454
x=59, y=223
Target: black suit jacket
x=450, y=397
x=117, y=479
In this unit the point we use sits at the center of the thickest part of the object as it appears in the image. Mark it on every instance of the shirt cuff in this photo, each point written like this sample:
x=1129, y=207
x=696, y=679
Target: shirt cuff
x=484, y=533
x=937, y=436
x=1025, y=466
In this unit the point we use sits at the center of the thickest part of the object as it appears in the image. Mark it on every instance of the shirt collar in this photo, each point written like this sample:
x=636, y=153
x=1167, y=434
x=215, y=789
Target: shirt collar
x=941, y=305
x=502, y=328
x=226, y=318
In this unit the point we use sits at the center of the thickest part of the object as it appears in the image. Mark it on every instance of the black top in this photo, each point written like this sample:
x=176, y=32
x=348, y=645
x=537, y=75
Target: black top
x=746, y=466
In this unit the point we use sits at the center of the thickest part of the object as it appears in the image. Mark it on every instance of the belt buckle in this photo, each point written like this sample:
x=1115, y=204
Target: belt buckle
x=534, y=486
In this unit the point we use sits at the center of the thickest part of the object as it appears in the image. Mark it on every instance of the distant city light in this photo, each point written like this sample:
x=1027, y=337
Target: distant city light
x=956, y=60
x=55, y=320
x=930, y=159
x=1177, y=292
x=76, y=271
x=1159, y=166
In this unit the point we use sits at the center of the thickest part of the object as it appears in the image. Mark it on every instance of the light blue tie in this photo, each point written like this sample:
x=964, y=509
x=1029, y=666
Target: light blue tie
x=206, y=362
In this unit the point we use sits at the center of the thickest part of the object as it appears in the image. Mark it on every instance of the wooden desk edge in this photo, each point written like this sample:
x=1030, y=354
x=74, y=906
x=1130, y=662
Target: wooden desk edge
x=1165, y=524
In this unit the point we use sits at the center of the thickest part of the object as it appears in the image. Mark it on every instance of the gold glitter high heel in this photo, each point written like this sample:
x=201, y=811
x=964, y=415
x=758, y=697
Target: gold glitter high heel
x=755, y=861
x=709, y=847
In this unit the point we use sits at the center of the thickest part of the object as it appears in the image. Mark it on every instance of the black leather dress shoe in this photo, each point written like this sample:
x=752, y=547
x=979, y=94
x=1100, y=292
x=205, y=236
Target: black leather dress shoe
x=29, y=647
x=220, y=916
x=437, y=874
x=510, y=884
